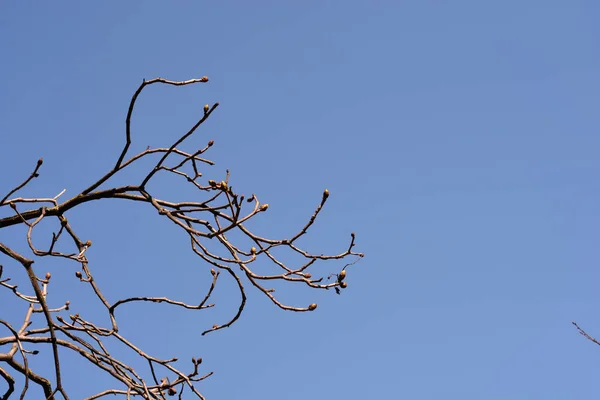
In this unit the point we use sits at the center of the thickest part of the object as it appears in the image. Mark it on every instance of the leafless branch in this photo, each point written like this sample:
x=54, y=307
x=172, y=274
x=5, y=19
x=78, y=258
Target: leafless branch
x=585, y=334
x=219, y=212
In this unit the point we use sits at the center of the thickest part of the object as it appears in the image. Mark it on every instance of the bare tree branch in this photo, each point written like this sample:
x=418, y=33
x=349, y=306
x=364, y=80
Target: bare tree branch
x=585, y=334
x=219, y=212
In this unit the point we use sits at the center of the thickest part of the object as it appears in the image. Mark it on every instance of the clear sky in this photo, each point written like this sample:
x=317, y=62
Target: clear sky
x=458, y=139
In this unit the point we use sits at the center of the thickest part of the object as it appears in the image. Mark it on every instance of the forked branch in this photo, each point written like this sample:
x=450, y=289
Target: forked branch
x=218, y=211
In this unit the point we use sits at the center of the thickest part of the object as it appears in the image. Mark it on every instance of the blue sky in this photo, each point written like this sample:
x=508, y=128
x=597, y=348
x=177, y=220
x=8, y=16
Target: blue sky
x=459, y=140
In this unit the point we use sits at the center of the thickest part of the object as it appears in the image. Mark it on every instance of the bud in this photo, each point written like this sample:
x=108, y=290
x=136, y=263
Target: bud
x=211, y=142
x=204, y=79
x=253, y=250
x=172, y=391
x=213, y=272
x=312, y=307
x=343, y=285
x=48, y=275
x=40, y=162
x=78, y=274
x=64, y=222
x=88, y=243
x=325, y=194
x=215, y=326
x=264, y=207
x=342, y=275
x=308, y=276
x=206, y=108
x=212, y=183
x=223, y=185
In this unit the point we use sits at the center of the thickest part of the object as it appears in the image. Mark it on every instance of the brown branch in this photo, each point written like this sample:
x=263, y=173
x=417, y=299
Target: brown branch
x=145, y=83
x=34, y=174
x=66, y=206
x=10, y=381
x=218, y=212
x=9, y=356
x=27, y=264
x=585, y=334
x=200, y=306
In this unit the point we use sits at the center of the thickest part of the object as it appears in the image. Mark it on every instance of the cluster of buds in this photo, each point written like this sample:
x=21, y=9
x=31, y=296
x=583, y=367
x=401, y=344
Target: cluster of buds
x=341, y=276
x=164, y=383
x=221, y=185
x=196, y=361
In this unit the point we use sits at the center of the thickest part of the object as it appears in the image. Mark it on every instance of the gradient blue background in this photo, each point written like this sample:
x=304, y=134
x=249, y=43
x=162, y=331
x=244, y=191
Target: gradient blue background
x=459, y=140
